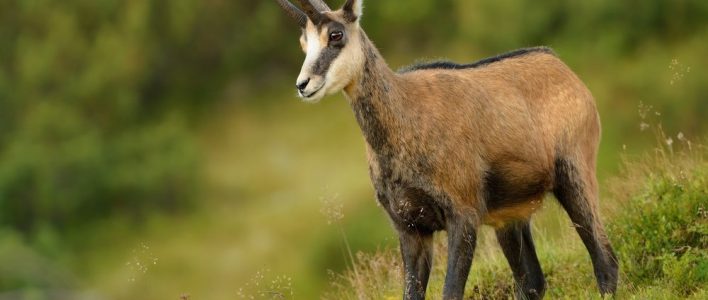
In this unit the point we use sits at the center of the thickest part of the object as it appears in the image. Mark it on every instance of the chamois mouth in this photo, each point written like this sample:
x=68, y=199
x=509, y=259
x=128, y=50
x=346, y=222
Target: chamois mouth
x=308, y=96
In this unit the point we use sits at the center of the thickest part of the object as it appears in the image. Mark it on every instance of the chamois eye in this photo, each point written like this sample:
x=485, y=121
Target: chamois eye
x=336, y=36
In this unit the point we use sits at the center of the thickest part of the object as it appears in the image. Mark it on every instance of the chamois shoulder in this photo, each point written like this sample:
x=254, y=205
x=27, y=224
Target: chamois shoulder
x=448, y=65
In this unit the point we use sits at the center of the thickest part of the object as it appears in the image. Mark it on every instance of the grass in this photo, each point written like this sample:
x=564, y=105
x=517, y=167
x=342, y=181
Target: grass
x=272, y=189
x=263, y=214
x=262, y=218
x=278, y=174
x=656, y=216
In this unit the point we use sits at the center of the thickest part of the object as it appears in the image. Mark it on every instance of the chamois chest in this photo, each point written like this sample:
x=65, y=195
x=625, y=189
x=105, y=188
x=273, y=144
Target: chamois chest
x=411, y=209
x=401, y=191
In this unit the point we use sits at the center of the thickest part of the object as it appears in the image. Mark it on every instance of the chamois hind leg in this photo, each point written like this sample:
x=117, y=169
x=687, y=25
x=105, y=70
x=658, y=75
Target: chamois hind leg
x=517, y=244
x=576, y=190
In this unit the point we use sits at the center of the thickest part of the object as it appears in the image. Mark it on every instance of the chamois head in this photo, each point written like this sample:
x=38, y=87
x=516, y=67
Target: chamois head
x=331, y=41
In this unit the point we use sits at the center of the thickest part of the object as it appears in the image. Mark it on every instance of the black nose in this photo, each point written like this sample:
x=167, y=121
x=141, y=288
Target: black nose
x=302, y=85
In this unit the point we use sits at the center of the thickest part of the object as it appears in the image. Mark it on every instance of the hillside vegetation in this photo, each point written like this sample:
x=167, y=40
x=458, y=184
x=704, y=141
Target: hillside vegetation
x=657, y=219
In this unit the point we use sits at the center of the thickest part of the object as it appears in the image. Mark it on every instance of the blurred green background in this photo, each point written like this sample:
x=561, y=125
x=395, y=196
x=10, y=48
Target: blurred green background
x=155, y=148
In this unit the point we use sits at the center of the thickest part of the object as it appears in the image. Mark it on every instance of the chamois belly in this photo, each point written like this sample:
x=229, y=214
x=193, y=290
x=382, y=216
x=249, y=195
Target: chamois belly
x=498, y=217
x=514, y=190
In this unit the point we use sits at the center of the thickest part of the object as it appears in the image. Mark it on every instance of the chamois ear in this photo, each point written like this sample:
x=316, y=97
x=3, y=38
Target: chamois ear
x=352, y=10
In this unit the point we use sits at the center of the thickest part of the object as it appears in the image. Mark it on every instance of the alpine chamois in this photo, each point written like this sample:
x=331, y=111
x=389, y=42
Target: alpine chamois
x=454, y=146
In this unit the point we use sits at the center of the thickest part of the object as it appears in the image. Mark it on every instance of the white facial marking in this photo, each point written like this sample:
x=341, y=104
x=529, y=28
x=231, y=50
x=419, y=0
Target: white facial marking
x=314, y=48
x=345, y=66
x=312, y=53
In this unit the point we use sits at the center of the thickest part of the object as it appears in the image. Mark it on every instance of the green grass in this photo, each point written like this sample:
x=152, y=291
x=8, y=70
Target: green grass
x=260, y=217
x=656, y=217
x=156, y=148
x=268, y=171
x=268, y=175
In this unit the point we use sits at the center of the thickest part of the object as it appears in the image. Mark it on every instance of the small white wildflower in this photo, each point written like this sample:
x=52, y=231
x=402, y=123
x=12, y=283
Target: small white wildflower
x=669, y=142
x=141, y=259
x=674, y=62
x=643, y=126
x=642, y=109
x=678, y=71
x=332, y=208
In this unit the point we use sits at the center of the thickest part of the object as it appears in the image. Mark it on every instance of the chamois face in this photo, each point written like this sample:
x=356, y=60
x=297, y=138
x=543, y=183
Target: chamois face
x=333, y=55
x=331, y=41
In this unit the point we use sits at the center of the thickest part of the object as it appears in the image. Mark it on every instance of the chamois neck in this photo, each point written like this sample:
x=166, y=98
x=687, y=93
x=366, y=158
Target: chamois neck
x=375, y=81
x=371, y=96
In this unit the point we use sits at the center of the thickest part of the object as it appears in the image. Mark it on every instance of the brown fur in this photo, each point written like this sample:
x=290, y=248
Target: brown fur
x=519, y=114
x=501, y=216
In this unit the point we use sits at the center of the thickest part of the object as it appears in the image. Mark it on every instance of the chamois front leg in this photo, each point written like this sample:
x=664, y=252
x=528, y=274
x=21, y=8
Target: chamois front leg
x=415, y=220
x=417, y=252
x=461, y=241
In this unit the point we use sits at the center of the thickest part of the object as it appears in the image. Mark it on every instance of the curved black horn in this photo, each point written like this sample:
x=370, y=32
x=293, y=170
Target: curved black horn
x=293, y=12
x=312, y=12
x=321, y=5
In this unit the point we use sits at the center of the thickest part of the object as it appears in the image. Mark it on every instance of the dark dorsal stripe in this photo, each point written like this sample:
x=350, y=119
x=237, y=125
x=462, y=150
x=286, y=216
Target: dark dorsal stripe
x=490, y=60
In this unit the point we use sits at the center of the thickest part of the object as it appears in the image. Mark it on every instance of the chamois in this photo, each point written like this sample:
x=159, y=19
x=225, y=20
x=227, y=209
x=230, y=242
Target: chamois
x=455, y=146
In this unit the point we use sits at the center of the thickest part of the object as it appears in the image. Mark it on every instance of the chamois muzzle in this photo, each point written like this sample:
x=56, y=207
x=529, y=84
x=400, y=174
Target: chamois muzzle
x=302, y=85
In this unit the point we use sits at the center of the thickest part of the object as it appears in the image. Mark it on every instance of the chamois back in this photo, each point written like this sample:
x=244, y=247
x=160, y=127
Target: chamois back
x=444, y=64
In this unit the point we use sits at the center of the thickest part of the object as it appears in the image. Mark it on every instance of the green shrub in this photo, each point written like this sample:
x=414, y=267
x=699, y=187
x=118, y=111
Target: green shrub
x=59, y=170
x=661, y=233
x=22, y=267
x=686, y=272
x=92, y=117
x=658, y=227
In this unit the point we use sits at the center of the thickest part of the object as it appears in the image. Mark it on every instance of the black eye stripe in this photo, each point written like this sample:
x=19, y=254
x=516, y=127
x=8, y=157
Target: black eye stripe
x=330, y=52
x=327, y=56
